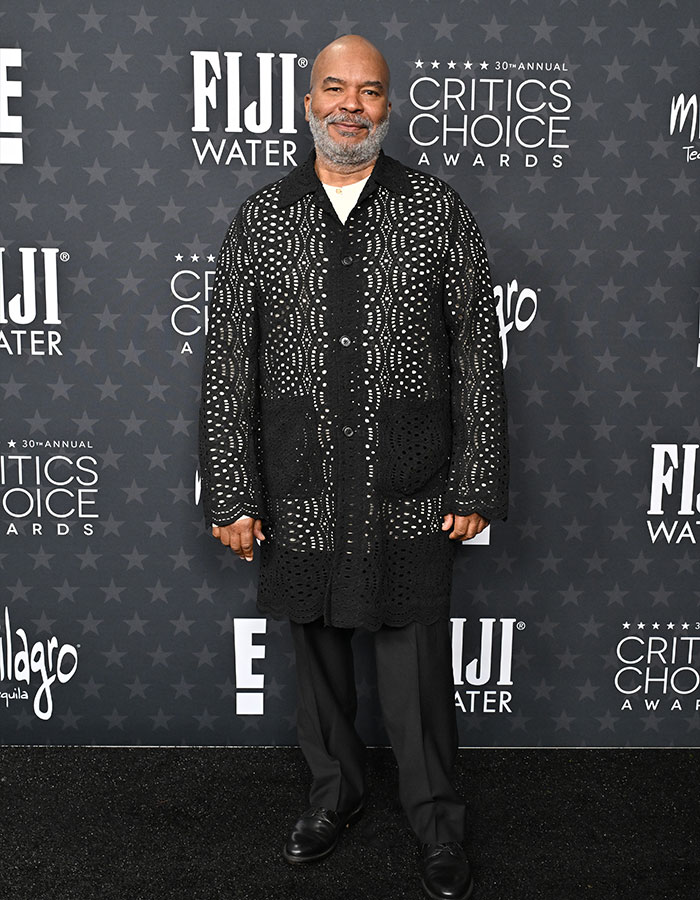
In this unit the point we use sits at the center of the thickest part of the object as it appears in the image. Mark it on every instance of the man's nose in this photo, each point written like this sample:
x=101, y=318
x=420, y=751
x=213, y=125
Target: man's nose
x=352, y=102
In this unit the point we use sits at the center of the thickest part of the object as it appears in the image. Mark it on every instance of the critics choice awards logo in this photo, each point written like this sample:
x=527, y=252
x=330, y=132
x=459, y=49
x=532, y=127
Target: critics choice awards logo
x=657, y=666
x=490, y=109
x=48, y=485
x=190, y=291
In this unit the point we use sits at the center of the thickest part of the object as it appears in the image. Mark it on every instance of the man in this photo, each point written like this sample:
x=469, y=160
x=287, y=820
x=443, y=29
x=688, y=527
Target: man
x=353, y=422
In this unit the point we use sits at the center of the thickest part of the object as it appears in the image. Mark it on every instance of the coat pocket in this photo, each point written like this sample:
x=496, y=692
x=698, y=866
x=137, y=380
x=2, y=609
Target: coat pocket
x=415, y=445
x=291, y=465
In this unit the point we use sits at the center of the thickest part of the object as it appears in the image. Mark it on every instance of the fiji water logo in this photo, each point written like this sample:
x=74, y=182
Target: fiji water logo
x=481, y=681
x=674, y=496
x=25, y=312
x=49, y=660
x=217, y=84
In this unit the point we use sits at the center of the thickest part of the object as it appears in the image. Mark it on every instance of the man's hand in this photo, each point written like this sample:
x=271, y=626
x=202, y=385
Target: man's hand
x=465, y=527
x=239, y=536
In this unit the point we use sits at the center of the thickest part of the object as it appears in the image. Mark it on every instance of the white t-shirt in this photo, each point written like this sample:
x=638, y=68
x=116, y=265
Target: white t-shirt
x=344, y=198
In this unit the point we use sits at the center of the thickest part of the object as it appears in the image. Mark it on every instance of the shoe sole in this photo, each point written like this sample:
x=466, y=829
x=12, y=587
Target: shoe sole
x=352, y=818
x=429, y=893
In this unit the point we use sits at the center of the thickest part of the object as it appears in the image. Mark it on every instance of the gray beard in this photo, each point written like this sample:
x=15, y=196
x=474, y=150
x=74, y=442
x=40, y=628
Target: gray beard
x=350, y=156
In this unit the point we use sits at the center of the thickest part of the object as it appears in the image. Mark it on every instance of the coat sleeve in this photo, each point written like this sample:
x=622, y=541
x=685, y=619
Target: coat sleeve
x=229, y=407
x=478, y=477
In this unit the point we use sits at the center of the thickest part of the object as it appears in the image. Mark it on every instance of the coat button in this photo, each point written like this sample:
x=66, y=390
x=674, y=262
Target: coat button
x=347, y=431
x=346, y=260
x=345, y=340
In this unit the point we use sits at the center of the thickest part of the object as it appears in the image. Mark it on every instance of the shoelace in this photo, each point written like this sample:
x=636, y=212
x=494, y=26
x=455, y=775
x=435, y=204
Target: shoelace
x=319, y=812
x=452, y=847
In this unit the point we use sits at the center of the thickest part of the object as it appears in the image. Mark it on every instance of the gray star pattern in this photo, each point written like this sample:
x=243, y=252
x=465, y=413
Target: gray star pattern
x=607, y=367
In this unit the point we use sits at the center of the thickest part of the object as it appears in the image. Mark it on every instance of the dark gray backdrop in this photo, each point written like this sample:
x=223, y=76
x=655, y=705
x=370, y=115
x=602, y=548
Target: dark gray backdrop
x=580, y=617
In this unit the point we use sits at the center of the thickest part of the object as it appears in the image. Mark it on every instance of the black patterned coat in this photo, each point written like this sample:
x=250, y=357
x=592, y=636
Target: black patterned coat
x=353, y=394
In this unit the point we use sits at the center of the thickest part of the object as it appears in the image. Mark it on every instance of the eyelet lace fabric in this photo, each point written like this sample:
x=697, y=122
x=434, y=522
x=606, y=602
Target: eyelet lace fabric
x=352, y=394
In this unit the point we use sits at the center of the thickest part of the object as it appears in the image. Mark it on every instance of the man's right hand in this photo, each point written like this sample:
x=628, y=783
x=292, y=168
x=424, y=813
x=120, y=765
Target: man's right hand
x=239, y=536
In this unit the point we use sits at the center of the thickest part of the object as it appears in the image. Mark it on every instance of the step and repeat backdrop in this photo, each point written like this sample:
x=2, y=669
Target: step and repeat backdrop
x=128, y=139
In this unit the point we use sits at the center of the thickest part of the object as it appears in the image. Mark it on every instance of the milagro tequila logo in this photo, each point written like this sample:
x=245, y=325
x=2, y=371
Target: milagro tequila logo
x=516, y=307
x=684, y=120
x=674, y=501
x=22, y=663
x=217, y=83
x=22, y=312
x=11, y=151
x=481, y=682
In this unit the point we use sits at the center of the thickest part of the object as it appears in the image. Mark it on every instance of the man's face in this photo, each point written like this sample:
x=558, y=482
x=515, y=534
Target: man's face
x=348, y=108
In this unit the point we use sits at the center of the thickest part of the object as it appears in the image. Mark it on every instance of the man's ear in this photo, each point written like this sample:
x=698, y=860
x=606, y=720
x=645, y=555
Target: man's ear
x=307, y=104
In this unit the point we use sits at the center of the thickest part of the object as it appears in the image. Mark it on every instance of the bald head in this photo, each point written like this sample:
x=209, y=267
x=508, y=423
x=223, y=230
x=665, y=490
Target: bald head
x=349, y=47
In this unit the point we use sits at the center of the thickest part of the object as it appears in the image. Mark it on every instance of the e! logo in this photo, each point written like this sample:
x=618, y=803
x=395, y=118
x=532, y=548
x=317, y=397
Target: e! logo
x=250, y=696
x=11, y=152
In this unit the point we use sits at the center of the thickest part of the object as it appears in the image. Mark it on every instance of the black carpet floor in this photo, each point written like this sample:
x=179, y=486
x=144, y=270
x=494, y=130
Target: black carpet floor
x=78, y=823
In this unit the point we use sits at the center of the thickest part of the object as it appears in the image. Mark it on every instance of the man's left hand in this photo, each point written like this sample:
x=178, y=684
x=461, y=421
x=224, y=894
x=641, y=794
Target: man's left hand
x=465, y=527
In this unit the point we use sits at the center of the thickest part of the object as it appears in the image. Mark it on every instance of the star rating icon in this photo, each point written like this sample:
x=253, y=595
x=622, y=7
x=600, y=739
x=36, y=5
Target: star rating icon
x=685, y=626
x=196, y=257
x=435, y=64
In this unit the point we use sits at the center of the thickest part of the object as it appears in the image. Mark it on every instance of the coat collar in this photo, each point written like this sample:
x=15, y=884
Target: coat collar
x=388, y=172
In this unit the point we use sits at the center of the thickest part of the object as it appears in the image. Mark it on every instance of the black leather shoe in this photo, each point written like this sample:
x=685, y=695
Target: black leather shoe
x=316, y=834
x=445, y=872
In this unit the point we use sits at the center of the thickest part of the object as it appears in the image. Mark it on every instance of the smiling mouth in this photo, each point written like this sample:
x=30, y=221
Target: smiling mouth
x=348, y=128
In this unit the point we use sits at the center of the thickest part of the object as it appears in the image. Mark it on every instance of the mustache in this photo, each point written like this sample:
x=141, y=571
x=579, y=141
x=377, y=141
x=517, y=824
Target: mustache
x=348, y=119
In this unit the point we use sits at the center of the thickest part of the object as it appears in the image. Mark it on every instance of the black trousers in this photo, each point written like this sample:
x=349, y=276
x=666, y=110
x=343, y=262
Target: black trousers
x=416, y=692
